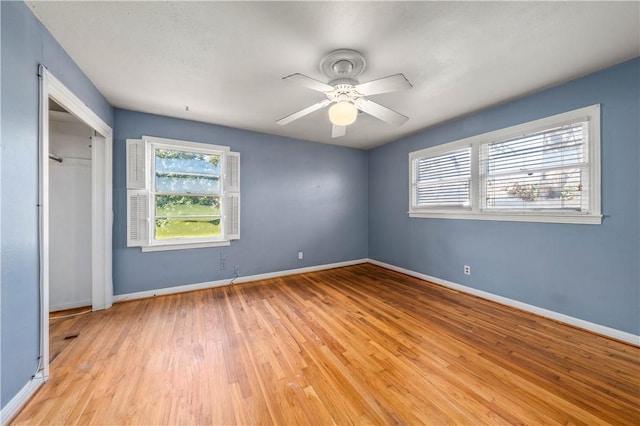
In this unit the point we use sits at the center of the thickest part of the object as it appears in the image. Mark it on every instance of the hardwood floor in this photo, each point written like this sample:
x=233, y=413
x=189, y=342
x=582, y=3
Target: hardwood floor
x=60, y=334
x=359, y=344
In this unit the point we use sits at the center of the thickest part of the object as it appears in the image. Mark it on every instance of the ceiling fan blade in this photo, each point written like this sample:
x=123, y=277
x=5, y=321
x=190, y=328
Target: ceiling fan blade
x=309, y=82
x=380, y=112
x=338, y=131
x=392, y=83
x=308, y=110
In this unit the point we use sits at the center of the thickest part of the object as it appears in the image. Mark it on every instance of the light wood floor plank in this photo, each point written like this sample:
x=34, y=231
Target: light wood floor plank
x=354, y=345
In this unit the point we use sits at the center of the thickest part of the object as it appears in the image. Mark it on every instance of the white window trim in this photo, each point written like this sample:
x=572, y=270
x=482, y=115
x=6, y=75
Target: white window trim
x=591, y=114
x=154, y=143
x=175, y=246
x=151, y=244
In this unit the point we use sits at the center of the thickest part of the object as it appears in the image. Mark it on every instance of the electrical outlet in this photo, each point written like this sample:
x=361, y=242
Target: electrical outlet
x=222, y=265
x=236, y=271
x=300, y=255
x=467, y=270
x=222, y=256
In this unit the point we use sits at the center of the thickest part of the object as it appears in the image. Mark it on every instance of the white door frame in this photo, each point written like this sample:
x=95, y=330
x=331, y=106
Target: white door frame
x=101, y=203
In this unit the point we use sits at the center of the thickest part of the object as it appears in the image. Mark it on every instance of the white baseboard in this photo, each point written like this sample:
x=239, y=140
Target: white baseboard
x=576, y=322
x=219, y=283
x=13, y=407
x=65, y=306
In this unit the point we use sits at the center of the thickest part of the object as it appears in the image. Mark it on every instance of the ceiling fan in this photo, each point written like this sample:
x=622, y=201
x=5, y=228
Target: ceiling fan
x=347, y=95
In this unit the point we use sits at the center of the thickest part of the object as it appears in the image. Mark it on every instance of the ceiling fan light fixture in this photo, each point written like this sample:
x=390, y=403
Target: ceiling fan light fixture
x=346, y=97
x=343, y=113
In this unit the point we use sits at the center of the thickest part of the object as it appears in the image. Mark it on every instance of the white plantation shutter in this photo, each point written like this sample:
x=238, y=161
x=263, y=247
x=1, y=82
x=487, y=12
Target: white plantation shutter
x=138, y=218
x=232, y=177
x=232, y=196
x=232, y=222
x=136, y=164
x=442, y=180
x=137, y=194
x=545, y=170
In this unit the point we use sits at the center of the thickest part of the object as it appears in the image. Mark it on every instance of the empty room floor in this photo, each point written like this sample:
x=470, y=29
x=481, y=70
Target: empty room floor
x=353, y=345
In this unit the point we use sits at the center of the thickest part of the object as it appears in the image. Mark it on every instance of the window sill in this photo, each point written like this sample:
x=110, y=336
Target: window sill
x=185, y=246
x=514, y=217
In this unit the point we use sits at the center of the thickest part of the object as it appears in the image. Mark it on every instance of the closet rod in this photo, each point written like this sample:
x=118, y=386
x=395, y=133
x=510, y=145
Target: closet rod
x=55, y=157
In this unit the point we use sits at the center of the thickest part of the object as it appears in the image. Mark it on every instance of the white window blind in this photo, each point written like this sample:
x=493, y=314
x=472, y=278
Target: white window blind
x=545, y=170
x=443, y=180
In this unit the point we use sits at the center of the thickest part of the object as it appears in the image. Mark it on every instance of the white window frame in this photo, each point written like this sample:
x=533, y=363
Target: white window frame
x=141, y=194
x=415, y=185
x=590, y=114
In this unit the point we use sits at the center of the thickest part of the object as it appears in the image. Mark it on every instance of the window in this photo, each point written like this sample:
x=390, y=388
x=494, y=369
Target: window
x=539, y=171
x=443, y=180
x=547, y=170
x=181, y=194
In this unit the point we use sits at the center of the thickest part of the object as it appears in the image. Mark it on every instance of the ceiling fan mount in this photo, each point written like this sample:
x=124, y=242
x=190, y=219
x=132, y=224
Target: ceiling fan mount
x=347, y=95
x=342, y=64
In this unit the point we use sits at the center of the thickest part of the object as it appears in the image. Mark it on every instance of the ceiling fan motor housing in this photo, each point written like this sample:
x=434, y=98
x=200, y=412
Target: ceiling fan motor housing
x=343, y=82
x=344, y=92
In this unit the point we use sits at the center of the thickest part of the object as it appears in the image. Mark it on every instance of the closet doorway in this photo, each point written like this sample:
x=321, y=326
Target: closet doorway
x=85, y=183
x=69, y=211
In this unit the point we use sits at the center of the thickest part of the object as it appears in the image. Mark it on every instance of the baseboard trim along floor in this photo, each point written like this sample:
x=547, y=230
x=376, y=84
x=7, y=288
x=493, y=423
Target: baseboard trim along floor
x=241, y=279
x=556, y=316
x=14, y=406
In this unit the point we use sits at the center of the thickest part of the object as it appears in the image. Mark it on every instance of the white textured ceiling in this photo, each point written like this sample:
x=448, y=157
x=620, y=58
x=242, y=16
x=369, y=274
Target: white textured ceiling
x=225, y=60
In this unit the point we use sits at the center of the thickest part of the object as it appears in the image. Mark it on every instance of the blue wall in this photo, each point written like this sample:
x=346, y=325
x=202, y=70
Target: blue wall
x=25, y=44
x=585, y=271
x=296, y=196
